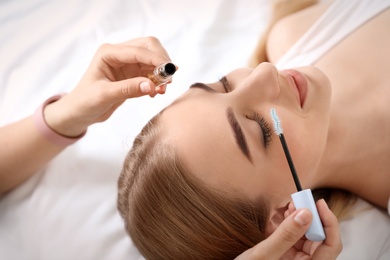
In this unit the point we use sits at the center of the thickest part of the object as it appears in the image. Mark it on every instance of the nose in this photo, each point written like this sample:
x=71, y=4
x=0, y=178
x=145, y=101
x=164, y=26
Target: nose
x=261, y=84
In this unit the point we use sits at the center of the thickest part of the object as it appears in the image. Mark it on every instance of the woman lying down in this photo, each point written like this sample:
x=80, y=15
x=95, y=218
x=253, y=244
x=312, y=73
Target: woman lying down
x=207, y=178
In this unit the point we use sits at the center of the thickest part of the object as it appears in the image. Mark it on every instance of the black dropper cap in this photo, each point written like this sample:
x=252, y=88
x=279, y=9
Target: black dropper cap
x=170, y=68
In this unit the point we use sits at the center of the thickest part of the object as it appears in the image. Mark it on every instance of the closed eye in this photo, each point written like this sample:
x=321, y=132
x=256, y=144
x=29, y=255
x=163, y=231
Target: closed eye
x=265, y=128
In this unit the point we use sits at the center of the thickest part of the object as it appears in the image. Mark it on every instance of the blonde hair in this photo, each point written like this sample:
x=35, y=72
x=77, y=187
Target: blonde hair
x=339, y=201
x=170, y=214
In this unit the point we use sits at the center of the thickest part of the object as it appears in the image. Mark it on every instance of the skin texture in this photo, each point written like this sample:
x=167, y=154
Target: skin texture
x=252, y=91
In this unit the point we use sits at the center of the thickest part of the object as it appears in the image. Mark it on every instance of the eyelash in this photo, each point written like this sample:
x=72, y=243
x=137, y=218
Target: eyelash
x=225, y=84
x=266, y=129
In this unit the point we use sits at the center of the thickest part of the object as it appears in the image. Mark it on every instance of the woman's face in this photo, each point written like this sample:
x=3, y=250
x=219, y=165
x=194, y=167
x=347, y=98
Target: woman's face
x=226, y=138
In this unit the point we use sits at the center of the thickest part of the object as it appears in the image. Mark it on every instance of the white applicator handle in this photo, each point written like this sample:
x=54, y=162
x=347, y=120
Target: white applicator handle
x=304, y=199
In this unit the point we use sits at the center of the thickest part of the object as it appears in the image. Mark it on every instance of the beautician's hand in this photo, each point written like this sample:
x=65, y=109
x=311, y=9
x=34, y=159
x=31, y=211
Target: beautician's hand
x=288, y=241
x=117, y=72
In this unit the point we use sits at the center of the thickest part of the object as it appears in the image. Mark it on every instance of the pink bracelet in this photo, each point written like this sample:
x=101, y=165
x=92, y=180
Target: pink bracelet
x=49, y=133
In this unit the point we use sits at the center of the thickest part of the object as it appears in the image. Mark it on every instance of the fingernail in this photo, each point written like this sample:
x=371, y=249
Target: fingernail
x=324, y=202
x=302, y=218
x=286, y=213
x=145, y=87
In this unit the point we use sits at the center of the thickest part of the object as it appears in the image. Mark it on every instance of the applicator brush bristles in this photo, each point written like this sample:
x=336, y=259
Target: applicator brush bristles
x=279, y=131
x=276, y=121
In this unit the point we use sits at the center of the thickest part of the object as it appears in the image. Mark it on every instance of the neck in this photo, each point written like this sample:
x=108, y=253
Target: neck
x=353, y=153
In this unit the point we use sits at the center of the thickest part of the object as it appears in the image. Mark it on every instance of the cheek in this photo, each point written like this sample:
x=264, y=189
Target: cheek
x=278, y=180
x=307, y=146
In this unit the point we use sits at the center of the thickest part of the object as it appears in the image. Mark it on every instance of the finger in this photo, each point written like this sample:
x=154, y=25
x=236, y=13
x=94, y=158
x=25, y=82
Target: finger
x=119, y=55
x=309, y=246
x=286, y=235
x=329, y=222
x=131, y=88
x=291, y=209
x=332, y=246
x=150, y=43
x=161, y=89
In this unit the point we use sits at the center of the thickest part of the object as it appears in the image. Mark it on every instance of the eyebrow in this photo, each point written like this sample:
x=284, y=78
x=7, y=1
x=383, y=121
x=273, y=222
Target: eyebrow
x=238, y=133
x=223, y=81
x=202, y=86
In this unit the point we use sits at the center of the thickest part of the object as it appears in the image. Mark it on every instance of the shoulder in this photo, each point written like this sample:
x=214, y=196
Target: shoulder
x=290, y=28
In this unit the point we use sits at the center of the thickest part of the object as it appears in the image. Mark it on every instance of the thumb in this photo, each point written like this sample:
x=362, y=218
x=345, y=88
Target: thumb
x=134, y=87
x=286, y=235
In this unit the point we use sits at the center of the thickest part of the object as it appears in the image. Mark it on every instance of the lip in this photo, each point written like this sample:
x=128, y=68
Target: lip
x=300, y=84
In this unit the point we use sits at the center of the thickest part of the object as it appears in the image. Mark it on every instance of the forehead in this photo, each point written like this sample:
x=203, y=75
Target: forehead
x=199, y=131
x=193, y=133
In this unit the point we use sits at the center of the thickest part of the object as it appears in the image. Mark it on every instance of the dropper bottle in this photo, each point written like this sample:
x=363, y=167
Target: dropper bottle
x=162, y=73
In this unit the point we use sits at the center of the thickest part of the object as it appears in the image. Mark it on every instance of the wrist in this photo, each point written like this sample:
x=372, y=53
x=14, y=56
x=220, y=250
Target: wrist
x=59, y=118
x=54, y=125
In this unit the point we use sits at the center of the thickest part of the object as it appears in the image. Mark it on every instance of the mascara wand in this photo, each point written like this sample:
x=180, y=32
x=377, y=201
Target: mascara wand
x=302, y=198
x=279, y=131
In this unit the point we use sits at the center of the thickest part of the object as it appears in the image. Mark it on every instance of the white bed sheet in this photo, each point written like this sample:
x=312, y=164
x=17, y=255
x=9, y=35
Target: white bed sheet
x=68, y=211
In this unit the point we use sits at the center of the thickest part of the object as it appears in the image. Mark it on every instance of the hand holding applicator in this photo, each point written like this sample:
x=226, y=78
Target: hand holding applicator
x=302, y=198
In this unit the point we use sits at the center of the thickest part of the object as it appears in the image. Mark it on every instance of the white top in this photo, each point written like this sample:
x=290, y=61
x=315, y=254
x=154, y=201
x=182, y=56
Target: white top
x=341, y=19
